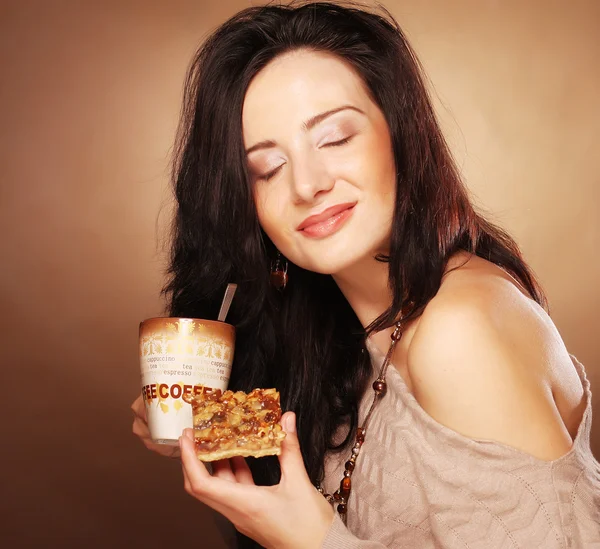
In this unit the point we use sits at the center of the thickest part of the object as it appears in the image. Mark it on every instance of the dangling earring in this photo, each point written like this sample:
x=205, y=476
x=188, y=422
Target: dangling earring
x=279, y=268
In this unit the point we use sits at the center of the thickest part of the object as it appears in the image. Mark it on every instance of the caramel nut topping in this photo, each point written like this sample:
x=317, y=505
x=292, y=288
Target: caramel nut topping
x=224, y=421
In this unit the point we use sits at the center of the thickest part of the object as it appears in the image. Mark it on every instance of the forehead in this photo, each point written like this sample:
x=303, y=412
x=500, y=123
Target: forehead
x=296, y=86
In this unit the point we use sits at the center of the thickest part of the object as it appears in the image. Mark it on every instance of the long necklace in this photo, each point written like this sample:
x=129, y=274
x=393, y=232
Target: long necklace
x=342, y=494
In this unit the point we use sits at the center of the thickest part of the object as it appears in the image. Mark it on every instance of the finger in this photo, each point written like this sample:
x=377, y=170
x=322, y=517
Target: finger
x=222, y=469
x=139, y=408
x=187, y=485
x=193, y=467
x=241, y=470
x=203, y=485
x=292, y=464
x=162, y=449
x=140, y=429
x=216, y=505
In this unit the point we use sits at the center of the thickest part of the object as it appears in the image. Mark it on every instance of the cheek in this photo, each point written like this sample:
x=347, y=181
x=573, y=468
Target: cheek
x=383, y=168
x=270, y=208
x=381, y=153
x=371, y=163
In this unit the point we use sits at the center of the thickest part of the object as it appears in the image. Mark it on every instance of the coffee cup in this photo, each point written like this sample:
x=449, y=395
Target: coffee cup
x=180, y=356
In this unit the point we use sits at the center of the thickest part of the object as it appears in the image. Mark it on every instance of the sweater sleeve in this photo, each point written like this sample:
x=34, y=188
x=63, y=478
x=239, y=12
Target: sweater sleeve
x=339, y=537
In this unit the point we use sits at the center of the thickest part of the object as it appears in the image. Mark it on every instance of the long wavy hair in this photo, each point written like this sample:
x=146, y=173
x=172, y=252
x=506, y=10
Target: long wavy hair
x=307, y=341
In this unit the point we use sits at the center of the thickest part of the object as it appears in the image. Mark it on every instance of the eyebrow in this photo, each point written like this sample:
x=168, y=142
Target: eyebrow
x=306, y=126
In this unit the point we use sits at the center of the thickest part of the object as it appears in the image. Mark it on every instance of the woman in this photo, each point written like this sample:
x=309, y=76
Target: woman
x=308, y=140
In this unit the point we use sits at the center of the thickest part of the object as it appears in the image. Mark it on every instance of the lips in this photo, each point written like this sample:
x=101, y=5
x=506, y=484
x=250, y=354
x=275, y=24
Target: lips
x=324, y=215
x=328, y=221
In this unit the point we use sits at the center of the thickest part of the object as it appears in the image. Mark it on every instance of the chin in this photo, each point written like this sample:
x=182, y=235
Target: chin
x=324, y=267
x=333, y=262
x=337, y=255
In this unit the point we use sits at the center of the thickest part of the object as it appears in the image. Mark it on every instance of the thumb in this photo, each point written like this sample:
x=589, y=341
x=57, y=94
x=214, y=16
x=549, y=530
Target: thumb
x=290, y=460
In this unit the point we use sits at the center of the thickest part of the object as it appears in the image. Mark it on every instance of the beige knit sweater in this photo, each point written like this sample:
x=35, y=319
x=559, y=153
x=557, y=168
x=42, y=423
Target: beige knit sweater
x=420, y=485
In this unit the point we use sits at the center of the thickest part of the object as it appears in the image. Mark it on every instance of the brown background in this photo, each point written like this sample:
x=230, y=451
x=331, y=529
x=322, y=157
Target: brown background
x=89, y=99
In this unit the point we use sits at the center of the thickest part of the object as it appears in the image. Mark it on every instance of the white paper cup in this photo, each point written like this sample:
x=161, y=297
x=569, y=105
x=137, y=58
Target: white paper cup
x=180, y=356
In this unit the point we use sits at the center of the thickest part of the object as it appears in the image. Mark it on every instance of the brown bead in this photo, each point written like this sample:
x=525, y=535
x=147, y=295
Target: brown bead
x=360, y=435
x=342, y=508
x=336, y=496
x=345, y=487
x=279, y=279
x=380, y=386
x=397, y=334
x=349, y=466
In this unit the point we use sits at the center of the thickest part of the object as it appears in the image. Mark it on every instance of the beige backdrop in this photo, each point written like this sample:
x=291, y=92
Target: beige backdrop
x=89, y=98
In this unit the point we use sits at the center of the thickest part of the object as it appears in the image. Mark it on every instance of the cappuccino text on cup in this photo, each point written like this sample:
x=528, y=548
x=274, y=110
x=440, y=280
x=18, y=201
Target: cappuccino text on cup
x=180, y=356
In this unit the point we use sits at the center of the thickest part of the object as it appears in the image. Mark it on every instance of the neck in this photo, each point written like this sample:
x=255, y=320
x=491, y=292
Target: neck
x=365, y=286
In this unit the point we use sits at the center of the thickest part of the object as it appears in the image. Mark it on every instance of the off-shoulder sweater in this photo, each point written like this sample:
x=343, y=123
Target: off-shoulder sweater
x=420, y=485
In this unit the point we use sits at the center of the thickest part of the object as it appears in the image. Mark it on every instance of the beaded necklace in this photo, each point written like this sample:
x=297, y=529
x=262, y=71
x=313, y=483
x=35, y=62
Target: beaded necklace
x=342, y=494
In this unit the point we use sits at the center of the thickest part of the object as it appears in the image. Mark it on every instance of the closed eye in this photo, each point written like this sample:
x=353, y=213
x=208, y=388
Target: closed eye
x=271, y=174
x=338, y=143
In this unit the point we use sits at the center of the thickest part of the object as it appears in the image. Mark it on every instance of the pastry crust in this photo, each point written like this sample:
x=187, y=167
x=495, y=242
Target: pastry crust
x=236, y=424
x=233, y=452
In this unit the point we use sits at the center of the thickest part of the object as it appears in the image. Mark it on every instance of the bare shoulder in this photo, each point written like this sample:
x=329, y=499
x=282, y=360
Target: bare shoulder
x=487, y=361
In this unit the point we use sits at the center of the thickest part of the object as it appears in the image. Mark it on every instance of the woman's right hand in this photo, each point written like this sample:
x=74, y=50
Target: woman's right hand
x=140, y=428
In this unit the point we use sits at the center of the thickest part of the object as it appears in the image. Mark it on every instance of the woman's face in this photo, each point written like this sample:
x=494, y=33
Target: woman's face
x=320, y=155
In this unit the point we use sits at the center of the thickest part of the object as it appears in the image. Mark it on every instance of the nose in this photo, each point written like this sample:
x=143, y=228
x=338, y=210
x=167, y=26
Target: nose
x=310, y=179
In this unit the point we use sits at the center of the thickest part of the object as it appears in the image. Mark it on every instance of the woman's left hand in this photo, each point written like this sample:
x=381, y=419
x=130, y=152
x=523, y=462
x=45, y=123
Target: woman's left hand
x=289, y=515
